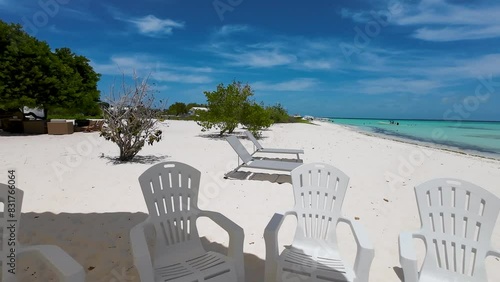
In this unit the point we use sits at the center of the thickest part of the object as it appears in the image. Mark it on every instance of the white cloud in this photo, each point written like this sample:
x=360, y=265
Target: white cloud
x=229, y=29
x=260, y=58
x=152, y=26
x=143, y=65
x=437, y=20
x=299, y=84
x=317, y=65
x=472, y=68
x=169, y=76
x=457, y=33
x=396, y=85
x=442, y=21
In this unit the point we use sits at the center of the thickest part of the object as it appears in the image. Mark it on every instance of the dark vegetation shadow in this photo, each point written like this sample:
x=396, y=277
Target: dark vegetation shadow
x=239, y=134
x=399, y=273
x=149, y=159
x=12, y=134
x=217, y=136
x=100, y=242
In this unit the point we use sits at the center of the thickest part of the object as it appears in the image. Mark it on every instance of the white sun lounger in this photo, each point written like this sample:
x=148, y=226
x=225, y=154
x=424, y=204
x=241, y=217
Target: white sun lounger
x=66, y=268
x=259, y=149
x=250, y=162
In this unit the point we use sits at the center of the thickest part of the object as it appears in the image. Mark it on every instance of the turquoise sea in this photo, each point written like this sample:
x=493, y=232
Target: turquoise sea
x=474, y=137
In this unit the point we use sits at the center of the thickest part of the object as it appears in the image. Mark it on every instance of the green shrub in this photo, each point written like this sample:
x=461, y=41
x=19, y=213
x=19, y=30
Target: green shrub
x=255, y=118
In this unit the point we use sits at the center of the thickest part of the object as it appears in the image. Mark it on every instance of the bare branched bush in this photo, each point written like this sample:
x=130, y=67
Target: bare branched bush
x=130, y=119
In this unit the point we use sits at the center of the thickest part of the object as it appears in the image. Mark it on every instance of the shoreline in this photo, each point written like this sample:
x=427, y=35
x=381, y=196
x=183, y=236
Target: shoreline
x=472, y=153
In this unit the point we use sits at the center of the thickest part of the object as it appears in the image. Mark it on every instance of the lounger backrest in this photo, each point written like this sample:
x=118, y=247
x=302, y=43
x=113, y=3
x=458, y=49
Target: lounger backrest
x=254, y=140
x=239, y=149
x=11, y=201
x=171, y=193
x=319, y=191
x=457, y=220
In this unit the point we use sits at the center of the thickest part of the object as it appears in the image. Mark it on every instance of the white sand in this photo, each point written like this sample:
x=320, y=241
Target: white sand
x=86, y=204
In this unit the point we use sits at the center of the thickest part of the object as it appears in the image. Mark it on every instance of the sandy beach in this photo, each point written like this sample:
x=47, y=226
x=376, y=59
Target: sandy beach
x=79, y=198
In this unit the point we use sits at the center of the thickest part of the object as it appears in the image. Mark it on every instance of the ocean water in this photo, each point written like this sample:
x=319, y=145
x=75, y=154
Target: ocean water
x=473, y=137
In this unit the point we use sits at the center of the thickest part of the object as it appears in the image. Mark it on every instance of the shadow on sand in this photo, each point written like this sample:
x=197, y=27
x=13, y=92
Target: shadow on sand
x=150, y=159
x=248, y=175
x=100, y=243
x=216, y=136
x=399, y=273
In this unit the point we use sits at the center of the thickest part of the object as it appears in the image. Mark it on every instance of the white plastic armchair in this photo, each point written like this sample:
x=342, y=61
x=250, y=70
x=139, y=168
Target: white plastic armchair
x=457, y=220
x=67, y=269
x=170, y=190
x=319, y=191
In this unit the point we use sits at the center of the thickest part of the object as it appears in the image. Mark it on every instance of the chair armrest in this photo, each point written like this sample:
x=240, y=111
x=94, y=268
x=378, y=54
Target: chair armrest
x=271, y=241
x=236, y=238
x=140, y=252
x=67, y=269
x=493, y=253
x=408, y=257
x=364, y=253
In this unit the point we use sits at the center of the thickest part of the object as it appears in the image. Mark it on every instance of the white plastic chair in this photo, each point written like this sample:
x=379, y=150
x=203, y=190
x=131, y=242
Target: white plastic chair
x=67, y=269
x=319, y=191
x=171, y=193
x=457, y=219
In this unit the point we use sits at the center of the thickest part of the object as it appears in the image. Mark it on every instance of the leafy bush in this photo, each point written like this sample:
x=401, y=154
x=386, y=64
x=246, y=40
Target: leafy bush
x=177, y=109
x=225, y=107
x=255, y=118
x=278, y=114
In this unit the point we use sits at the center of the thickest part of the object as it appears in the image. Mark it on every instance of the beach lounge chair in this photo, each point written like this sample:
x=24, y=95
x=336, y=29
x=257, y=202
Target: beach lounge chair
x=457, y=219
x=319, y=191
x=171, y=193
x=250, y=162
x=67, y=269
x=259, y=149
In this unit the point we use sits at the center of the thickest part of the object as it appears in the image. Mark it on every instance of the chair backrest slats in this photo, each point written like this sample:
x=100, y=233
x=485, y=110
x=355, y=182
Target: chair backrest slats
x=171, y=193
x=319, y=191
x=457, y=219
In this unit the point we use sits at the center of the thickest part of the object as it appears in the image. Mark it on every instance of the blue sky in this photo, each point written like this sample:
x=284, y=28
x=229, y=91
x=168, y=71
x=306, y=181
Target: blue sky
x=343, y=58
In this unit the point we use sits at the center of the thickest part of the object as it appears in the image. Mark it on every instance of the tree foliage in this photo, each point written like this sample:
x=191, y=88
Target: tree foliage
x=278, y=114
x=225, y=107
x=230, y=106
x=130, y=121
x=255, y=118
x=34, y=76
x=177, y=109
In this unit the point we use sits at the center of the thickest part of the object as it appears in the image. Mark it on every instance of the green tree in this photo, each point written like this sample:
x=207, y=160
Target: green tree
x=278, y=114
x=177, y=108
x=255, y=118
x=34, y=76
x=86, y=99
x=225, y=107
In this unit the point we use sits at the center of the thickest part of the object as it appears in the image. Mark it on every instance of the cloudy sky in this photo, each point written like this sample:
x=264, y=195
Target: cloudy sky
x=342, y=58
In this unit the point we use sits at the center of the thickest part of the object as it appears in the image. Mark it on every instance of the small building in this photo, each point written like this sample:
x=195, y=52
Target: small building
x=193, y=110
